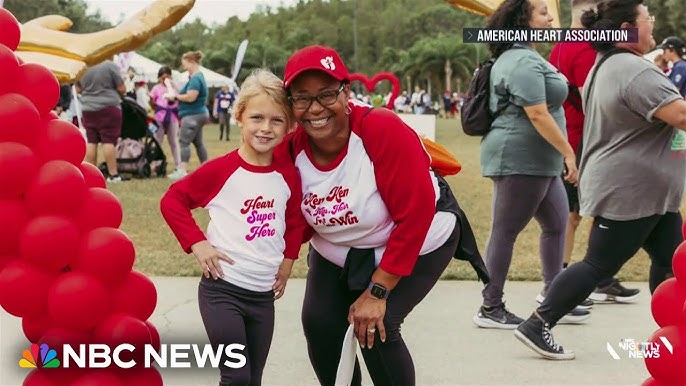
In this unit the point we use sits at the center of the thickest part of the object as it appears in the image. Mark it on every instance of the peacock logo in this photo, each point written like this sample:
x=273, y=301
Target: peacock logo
x=46, y=359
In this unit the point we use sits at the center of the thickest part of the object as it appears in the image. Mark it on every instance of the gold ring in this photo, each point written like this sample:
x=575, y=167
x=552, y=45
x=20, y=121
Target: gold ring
x=371, y=330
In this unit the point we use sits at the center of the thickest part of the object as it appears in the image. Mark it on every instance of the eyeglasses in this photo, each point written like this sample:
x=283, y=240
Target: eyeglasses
x=327, y=98
x=650, y=19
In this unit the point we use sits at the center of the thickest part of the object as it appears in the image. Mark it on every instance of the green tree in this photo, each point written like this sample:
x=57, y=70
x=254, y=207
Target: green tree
x=75, y=10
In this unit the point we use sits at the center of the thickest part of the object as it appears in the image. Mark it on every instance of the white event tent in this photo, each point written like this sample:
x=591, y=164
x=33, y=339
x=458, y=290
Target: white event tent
x=213, y=79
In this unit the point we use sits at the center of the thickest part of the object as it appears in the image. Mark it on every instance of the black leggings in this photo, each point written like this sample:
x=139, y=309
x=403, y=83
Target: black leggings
x=232, y=314
x=325, y=318
x=611, y=244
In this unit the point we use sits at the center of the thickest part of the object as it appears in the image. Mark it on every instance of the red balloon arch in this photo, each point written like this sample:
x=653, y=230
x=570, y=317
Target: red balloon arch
x=65, y=267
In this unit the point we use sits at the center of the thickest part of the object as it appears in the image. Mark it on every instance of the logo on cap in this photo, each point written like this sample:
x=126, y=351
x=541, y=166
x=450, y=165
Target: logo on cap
x=328, y=63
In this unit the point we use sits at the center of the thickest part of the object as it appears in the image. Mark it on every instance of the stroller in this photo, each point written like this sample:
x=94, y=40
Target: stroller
x=138, y=152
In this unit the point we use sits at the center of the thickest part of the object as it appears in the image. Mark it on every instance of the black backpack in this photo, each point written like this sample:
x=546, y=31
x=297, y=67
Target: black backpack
x=476, y=115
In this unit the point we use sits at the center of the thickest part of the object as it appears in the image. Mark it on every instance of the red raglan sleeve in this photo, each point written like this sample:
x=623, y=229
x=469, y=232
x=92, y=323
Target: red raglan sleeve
x=401, y=168
x=296, y=226
x=194, y=191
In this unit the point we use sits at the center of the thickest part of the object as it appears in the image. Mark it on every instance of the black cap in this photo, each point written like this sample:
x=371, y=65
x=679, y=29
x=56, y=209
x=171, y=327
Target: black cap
x=673, y=43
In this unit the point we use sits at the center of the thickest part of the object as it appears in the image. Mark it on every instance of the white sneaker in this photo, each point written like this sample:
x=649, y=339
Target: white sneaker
x=115, y=180
x=177, y=174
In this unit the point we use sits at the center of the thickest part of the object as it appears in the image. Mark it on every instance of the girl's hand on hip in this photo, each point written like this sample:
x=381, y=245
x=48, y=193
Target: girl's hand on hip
x=208, y=258
x=367, y=314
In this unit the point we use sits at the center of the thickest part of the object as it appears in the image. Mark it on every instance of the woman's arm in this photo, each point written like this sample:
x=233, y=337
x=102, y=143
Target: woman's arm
x=189, y=97
x=673, y=113
x=548, y=128
x=550, y=131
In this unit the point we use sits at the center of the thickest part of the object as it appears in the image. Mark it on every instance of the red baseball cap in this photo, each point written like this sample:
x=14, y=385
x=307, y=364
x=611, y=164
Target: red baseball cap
x=320, y=58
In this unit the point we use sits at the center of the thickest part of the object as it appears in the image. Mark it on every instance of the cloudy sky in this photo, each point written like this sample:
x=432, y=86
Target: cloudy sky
x=209, y=11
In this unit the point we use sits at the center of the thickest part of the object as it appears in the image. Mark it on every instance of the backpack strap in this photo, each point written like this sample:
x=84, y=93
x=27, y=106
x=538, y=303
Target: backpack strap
x=588, y=89
x=602, y=60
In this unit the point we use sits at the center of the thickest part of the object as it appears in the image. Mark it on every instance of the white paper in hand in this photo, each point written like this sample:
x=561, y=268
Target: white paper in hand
x=170, y=88
x=346, y=366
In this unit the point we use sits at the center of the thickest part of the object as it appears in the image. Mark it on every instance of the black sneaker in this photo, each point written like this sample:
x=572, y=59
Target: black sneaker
x=587, y=304
x=614, y=293
x=577, y=315
x=536, y=335
x=497, y=317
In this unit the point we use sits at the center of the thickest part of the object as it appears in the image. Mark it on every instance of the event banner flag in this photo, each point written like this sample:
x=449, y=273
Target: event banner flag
x=549, y=35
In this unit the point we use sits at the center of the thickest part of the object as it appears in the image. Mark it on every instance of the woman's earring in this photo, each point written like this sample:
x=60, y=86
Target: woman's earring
x=348, y=110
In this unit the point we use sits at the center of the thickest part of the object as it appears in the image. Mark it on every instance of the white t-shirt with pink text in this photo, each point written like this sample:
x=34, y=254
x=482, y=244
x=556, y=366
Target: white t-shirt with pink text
x=254, y=213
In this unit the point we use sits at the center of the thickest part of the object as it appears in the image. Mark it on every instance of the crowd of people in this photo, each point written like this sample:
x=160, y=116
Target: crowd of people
x=593, y=131
x=96, y=108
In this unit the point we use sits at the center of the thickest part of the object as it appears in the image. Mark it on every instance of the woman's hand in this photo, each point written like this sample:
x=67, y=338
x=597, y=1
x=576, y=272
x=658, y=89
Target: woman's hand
x=282, y=277
x=208, y=258
x=572, y=173
x=367, y=314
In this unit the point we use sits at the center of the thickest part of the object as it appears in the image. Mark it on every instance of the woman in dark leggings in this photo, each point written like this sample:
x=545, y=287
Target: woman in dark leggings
x=380, y=243
x=525, y=153
x=632, y=172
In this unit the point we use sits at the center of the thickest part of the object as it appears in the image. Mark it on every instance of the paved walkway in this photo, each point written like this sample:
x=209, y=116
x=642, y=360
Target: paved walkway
x=447, y=348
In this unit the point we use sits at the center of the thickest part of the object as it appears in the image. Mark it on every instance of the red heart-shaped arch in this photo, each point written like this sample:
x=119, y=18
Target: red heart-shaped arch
x=371, y=83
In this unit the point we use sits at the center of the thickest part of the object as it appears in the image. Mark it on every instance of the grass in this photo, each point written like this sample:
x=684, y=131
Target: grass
x=159, y=254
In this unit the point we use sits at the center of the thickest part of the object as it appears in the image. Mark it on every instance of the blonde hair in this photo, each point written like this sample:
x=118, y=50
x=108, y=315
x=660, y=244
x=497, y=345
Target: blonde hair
x=195, y=56
x=259, y=82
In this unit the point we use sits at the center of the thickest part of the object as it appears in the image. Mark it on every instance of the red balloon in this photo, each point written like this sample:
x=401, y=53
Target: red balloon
x=98, y=378
x=107, y=254
x=35, y=327
x=136, y=295
x=60, y=140
x=50, y=242
x=100, y=208
x=40, y=377
x=154, y=336
x=679, y=262
x=92, y=175
x=668, y=367
x=9, y=67
x=49, y=116
x=14, y=217
x=18, y=167
x=143, y=376
x=59, y=336
x=24, y=289
x=5, y=259
x=19, y=119
x=40, y=85
x=78, y=301
x=120, y=328
x=650, y=382
x=667, y=302
x=59, y=188
x=11, y=33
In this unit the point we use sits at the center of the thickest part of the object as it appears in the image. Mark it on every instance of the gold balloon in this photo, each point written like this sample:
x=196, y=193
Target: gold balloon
x=44, y=40
x=487, y=7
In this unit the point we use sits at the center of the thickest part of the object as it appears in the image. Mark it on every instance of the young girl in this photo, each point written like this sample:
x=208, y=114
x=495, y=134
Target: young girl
x=166, y=112
x=255, y=230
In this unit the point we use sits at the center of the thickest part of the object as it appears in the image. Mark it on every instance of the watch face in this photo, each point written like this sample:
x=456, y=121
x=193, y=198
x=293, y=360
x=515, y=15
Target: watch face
x=379, y=291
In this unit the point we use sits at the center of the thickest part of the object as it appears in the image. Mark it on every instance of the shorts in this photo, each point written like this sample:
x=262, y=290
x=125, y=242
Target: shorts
x=572, y=197
x=103, y=126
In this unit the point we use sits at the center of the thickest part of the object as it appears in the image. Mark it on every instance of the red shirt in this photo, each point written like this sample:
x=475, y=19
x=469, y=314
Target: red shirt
x=573, y=60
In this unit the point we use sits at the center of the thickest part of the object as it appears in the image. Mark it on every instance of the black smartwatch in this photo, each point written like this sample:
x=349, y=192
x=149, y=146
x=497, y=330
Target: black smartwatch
x=378, y=291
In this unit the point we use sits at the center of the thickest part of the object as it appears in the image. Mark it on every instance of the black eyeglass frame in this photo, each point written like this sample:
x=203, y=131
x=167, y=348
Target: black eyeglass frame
x=318, y=97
